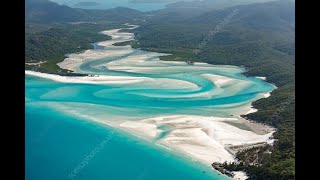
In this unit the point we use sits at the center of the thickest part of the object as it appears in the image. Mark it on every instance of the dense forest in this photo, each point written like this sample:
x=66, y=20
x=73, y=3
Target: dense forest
x=50, y=44
x=45, y=11
x=54, y=30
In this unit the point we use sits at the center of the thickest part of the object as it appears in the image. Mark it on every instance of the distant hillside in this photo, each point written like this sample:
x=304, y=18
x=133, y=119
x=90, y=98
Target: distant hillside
x=121, y=14
x=212, y=4
x=47, y=11
x=43, y=11
x=259, y=16
x=183, y=10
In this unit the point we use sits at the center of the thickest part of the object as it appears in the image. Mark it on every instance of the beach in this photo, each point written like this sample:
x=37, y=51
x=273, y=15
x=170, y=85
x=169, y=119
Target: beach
x=87, y=79
x=194, y=110
x=204, y=138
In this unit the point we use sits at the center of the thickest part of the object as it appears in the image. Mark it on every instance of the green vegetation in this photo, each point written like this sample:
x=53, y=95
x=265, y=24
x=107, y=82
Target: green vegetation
x=124, y=43
x=261, y=39
x=51, y=45
x=45, y=11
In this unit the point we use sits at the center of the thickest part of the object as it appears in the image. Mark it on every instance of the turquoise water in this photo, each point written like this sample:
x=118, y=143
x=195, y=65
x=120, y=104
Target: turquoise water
x=60, y=133
x=57, y=143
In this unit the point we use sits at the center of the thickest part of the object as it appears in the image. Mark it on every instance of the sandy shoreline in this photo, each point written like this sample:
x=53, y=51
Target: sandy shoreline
x=239, y=175
x=102, y=79
x=204, y=138
x=262, y=78
x=164, y=83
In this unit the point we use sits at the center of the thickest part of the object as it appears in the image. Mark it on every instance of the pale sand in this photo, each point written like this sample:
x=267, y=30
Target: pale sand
x=263, y=78
x=220, y=81
x=143, y=64
x=239, y=175
x=116, y=37
x=256, y=127
x=149, y=129
x=229, y=86
x=103, y=79
x=265, y=95
x=223, y=81
x=252, y=110
x=75, y=60
x=164, y=83
x=203, y=138
x=37, y=63
x=134, y=61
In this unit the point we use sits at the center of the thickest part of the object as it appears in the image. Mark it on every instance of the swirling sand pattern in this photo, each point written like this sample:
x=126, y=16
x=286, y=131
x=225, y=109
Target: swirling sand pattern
x=175, y=104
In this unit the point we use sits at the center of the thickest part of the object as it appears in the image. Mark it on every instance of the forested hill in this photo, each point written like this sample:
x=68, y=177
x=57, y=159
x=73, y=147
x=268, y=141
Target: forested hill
x=277, y=15
x=259, y=37
x=53, y=30
x=44, y=11
x=49, y=45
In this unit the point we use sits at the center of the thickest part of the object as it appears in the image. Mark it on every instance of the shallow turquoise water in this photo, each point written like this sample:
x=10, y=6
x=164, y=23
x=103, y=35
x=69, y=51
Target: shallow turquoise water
x=60, y=135
x=57, y=143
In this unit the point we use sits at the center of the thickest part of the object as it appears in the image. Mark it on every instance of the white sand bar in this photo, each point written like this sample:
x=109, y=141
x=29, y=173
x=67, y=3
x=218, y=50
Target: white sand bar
x=102, y=79
x=203, y=138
